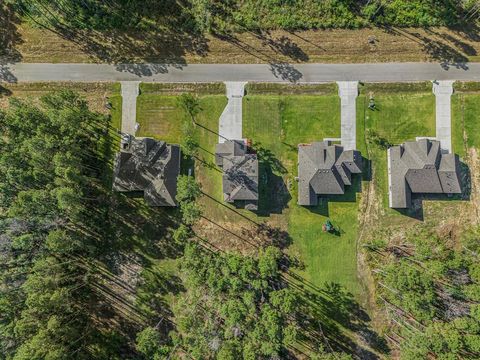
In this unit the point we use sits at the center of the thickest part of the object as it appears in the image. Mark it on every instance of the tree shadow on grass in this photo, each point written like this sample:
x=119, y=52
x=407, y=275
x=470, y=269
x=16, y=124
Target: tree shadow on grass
x=140, y=31
x=128, y=279
x=273, y=191
x=451, y=53
x=328, y=314
x=9, y=35
x=282, y=45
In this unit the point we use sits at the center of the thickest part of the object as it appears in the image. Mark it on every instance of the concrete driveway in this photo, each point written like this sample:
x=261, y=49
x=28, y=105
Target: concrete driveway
x=348, y=92
x=230, y=123
x=443, y=91
x=130, y=91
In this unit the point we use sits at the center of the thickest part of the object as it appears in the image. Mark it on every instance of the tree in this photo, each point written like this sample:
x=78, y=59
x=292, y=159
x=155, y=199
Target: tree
x=187, y=189
x=51, y=171
x=149, y=343
x=181, y=234
x=190, y=145
x=236, y=306
x=415, y=290
x=190, y=104
x=191, y=212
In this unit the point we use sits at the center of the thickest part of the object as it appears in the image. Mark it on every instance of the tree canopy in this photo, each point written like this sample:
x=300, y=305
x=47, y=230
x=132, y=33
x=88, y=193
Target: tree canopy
x=236, y=307
x=52, y=170
x=431, y=291
x=225, y=16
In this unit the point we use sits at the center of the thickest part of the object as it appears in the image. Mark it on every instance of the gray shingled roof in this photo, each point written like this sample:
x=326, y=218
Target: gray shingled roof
x=420, y=167
x=240, y=172
x=325, y=169
x=150, y=166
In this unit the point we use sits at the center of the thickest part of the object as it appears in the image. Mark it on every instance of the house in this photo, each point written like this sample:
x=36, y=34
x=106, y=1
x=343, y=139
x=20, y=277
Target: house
x=325, y=169
x=240, y=173
x=148, y=166
x=420, y=167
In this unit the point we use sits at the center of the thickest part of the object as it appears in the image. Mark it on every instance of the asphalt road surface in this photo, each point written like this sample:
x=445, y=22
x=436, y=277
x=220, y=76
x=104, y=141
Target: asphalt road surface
x=301, y=73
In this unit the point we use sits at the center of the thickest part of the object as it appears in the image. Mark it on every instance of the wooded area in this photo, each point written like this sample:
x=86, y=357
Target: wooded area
x=226, y=16
x=64, y=234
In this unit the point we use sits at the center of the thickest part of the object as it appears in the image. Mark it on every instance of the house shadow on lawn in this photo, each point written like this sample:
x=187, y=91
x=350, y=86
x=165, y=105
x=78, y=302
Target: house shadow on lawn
x=416, y=209
x=350, y=195
x=325, y=313
x=273, y=191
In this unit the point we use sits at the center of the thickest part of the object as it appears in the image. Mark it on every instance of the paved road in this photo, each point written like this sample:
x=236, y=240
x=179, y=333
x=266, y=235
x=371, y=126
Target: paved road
x=240, y=72
x=230, y=123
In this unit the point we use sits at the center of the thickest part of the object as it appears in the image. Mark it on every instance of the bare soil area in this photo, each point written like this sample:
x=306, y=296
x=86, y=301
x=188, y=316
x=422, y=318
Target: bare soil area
x=95, y=93
x=323, y=46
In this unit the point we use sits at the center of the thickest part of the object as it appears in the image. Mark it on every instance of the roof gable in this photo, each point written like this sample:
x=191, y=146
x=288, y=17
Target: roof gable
x=325, y=169
x=240, y=171
x=420, y=167
x=150, y=166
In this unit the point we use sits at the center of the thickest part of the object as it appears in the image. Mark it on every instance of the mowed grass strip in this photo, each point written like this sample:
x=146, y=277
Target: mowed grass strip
x=279, y=124
x=159, y=117
x=465, y=118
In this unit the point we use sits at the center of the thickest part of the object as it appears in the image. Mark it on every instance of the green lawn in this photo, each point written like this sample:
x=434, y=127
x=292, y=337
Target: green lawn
x=280, y=123
x=403, y=112
x=465, y=121
x=271, y=121
x=400, y=117
x=160, y=117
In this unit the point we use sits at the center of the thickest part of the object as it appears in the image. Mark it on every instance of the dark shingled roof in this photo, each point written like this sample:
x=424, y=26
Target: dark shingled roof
x=150, y=166
x=240, y=172
x=325, y=169
x=420, y=167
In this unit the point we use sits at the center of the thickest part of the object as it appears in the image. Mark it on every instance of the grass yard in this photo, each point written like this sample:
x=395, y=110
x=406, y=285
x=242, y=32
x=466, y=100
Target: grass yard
x=160, y=117
x=97, y=94
x=327, y=276
x=275, y=124
x=403, y=112
x=400, y=115
x=279, y=124
x=465, y=118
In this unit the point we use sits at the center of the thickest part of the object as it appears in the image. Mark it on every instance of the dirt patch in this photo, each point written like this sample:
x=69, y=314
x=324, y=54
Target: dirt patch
x=474, y=165
x=368, y=216
x=96, y=94
x=242, y=236
x=330, y=46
